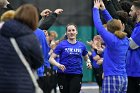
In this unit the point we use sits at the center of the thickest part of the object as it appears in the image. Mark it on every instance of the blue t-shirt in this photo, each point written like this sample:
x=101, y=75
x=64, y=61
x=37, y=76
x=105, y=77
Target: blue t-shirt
x=71, y=56
x=133, y=55
x=114, y=62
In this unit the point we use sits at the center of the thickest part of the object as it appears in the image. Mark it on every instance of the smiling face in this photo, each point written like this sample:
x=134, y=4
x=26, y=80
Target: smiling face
x=71, y=32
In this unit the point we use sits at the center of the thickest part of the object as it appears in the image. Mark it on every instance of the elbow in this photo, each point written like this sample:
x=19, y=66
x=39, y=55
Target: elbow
x=50, y=59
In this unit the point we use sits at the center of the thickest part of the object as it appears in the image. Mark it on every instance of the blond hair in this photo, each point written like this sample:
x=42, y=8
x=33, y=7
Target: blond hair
x=7, y=15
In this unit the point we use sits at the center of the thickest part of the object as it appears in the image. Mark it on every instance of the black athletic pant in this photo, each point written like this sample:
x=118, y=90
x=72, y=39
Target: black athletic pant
x=98, y=75
x=69, y=83
x=133, y=85
x=44, y=84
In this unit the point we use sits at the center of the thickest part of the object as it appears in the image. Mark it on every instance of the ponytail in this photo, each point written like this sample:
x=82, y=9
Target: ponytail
x=120, y=34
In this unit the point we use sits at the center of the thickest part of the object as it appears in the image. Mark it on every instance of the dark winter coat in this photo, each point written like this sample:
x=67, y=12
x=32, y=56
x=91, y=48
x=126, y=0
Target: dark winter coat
x=14, y=77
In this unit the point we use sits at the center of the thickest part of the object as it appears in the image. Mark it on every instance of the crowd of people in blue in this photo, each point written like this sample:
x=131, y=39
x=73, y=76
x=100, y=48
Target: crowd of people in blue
x=114, y=55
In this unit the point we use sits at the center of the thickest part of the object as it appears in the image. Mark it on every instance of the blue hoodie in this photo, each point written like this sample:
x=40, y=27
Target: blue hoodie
x=116, y=49
x=45, y=49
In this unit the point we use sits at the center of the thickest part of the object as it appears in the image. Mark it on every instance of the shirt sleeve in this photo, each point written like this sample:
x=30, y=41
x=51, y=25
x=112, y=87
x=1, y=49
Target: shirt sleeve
x=106, y=15
x=46, y=22
x=107, y=36
x=136, y=37
x=85, y=52
x=132, y=44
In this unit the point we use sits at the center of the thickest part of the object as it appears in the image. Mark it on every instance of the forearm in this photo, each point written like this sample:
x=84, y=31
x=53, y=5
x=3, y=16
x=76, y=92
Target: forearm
x=87, y=60
x=46, y=22
x=53, y=62
x=106, y=15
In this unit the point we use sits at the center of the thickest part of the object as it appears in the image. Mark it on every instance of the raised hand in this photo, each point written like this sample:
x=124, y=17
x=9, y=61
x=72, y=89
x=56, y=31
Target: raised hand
x=45, y=12
x=58, y=11
x=97, y=4
x=102, y=6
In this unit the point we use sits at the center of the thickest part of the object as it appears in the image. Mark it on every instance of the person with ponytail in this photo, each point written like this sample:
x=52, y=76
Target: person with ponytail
x=116, y=41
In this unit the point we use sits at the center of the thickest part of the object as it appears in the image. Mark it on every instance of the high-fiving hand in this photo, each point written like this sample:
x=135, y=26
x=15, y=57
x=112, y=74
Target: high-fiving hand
x=99, y=4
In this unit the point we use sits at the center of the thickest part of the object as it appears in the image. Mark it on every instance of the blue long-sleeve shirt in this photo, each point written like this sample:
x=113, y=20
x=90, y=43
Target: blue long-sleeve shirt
x=133, y=55
x=45, y=49
x=116, y=49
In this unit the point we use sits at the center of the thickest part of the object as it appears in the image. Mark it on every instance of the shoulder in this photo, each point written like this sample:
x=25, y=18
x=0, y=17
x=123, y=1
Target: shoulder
x=80, y=43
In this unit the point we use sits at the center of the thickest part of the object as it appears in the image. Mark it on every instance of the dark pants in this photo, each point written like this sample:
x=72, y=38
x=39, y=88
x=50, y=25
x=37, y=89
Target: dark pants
x=44, y=84
x=98, y=76
x=69, y=83
x=133, y=85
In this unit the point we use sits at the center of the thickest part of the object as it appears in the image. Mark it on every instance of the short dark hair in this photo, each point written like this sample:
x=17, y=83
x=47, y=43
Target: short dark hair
x=136, y=4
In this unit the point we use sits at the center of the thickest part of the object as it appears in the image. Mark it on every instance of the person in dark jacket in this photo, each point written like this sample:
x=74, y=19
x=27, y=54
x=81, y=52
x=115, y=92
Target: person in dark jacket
x=14, y=77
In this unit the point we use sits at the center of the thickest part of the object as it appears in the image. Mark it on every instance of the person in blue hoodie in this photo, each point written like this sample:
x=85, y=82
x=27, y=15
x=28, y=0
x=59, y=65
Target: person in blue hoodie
x=115, y=77
x=133, y=56
x=45, y=49
x=70, y=52
x=48, y=18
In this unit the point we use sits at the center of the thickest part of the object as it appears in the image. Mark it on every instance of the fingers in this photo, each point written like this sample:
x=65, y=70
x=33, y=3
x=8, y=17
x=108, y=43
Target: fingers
x=58, y=11
x=89, y=66
x=45, y=12
x=62, y=67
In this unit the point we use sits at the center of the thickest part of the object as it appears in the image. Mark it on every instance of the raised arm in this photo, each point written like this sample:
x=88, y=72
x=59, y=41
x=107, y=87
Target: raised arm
x=48, y=18
x=106, y=35
x=105, y=13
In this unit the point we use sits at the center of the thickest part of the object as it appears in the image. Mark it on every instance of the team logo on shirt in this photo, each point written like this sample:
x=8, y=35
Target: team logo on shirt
x=76, y=51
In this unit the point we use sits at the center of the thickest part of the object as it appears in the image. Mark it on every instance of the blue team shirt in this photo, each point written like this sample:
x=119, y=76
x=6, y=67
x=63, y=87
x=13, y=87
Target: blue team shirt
x=114, y=62
x=133, y=55
x=71, y=56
